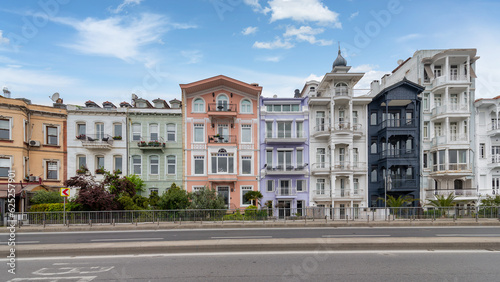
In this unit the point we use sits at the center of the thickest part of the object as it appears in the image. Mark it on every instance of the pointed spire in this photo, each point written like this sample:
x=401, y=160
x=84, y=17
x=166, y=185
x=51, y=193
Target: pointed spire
x=340, y=61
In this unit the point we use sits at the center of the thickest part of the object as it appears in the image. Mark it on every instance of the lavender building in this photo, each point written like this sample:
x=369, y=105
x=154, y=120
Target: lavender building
x=284, y=154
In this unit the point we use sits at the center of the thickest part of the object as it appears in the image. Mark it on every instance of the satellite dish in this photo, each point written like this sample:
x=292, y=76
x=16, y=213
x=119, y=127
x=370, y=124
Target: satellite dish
x=400, y=62
x=134, y=96
x=54, y=97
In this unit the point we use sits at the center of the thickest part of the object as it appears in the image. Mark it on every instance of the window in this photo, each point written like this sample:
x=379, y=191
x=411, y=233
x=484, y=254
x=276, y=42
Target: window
x=26, y=131
x=137, y=165
x=300, y=129
x=246, y=133
x=295, y=108
x=153, y=191
x=269, y=158
x=244, y=190
x=222, y=103
x=373, y=118
x=99, y=162
x=341, y=89
x=246, y=165
x=466, y=131
x=320, y=187
x=198, y=188
x=199, y=164
x=81, y=162
x=81, y=129
x=136, y=132
x=276, y=108
x=426, y=130
x=117, y=129
x=118, y=163
x=373, y=174
x=153, y=165
x=4, y=128
x=246, y=106
x=222, y=163
x=285, y=160
x=300, y=154
x=426, y=160
x=171, y=164
x=224, y=193
x=199, y=105
x=171, y=132
x=284, y=129
x=153, y=132
x=426, y=101
x=437, y=129
x=269, y=129
x=482, y=150
x=437, y=71
x=495, y=184
x=4, y=166
x=321, y=157
x=199, y=131
x=99, y=131
x=301, y=185
x=356, y=186
x=51, y=135
x=51, y=170
x=270, y=185
x=437, y=100
x=269, y=108
x=373, y=146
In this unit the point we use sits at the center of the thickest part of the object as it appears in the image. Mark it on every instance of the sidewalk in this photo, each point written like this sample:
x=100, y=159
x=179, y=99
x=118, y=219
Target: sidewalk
x=251, y=224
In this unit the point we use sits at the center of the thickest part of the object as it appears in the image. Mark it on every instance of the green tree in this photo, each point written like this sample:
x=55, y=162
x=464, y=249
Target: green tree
x=153, y=199
x=443, y=202
x=120, y=186
x=174, y=198
x=139, y=184
x=46, y=197
x=207, y=199
x=401, y=201
x=490, y=201
x=253, y=196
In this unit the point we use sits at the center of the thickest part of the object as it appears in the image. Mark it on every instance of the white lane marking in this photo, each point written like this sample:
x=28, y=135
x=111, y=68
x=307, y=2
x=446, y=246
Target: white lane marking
x=22, y=242
x=80, y=279
x=242, y=237
x=336, y=236
x=277, y=253
x=468, y=235
x=126, y=239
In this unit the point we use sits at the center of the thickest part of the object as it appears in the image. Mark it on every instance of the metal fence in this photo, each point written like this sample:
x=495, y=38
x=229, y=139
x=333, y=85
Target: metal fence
x=264, y=214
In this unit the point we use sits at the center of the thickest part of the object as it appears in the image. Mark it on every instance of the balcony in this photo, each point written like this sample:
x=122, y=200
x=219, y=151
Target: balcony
x=222, y=110
x=322, y=194
x=319, y=100
x=402, y=183
x=226, y=139
x=397, y=153
x=321, y=131
x=494, y=161
x=448, y=79
x=451, y=169
x=466, y=192
x=341, y=94
x=453, y=109
x=96, y=141
x=286, y=170
x=286, y=137
x=282, y=191
x=494, y=129
x=344, y=193
x=151, y=144
x=399, y=123
x=320, y=168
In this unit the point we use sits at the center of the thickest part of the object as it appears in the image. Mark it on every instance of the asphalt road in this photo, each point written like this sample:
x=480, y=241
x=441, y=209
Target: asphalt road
x=311, y=266
x=250, y=233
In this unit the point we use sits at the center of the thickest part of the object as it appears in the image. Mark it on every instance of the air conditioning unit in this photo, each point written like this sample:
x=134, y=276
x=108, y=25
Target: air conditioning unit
x=34, y=178
x=34, y=143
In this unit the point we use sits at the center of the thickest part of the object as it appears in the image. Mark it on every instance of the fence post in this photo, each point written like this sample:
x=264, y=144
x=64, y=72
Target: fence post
x=67, y=223
x=368, y=218
x=44, y=222
x=477, y=216
x=373, y=215
x=90, y=222
x=113, y=221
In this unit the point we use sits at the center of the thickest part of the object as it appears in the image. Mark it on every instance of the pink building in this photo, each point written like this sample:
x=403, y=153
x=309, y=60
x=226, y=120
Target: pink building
x=221, y=148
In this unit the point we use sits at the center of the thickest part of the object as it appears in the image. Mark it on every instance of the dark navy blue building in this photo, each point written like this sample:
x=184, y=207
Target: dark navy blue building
x=394, y=143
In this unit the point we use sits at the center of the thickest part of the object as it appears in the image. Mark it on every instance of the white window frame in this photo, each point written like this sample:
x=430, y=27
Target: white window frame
x=154, y=189
x=10, y=165
x=228, y=155
x=304, y=188
x=246, y=126
x=202, y=158
x=45, y=168
x=77, y=129
x=174, y=164
x=150, y=165
x=132, y=164
x=132, y=132
x=194, y=105
x=78, y=161
x=45, y=132
x=246, y=188
x=114, y=129
x=114, y=163
x=97, y=161
x=169, y=132
x=97, y=134
x=251, y=164
x=149, y=131
x=197, y=188
x=11, y=126
x=250, y=109
x=272, y=185
x=202, y=126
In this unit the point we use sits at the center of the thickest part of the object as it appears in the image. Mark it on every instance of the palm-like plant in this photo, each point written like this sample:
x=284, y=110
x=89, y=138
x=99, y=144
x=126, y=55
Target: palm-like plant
x=398, y=202
x=443, y=202
x=253, y=196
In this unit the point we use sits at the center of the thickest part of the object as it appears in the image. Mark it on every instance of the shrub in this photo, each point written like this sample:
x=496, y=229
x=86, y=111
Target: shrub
x=46, y=197
x=47, y=207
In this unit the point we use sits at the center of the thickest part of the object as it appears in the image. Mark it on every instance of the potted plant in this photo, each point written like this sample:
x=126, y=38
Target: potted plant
x=82, y=170
x=117, y=138
x=81, y=136
x=142, y=144
x=100, y=170
x=163, y=145
x=117, y=171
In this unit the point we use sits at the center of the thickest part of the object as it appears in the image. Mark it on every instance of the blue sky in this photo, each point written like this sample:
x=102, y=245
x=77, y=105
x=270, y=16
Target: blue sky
x=106, y=50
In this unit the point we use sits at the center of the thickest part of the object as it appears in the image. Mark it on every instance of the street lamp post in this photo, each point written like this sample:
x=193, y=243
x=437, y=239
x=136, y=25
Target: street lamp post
x=387, y=187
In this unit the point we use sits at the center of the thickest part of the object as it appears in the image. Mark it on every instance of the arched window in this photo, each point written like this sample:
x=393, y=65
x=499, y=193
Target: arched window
x=458, y=184
x=222, y=102
x=198, y=105
x=341, y=89
x=246, y=106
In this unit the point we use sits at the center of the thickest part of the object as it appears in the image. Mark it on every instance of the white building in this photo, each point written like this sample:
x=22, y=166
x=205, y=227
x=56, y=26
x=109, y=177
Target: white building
x=447, y=142
x=487, y=169
x=338, y=145
x=96, y=139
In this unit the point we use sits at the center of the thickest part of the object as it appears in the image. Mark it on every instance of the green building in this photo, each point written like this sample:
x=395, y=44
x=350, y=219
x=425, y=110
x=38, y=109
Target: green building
x=155, y=143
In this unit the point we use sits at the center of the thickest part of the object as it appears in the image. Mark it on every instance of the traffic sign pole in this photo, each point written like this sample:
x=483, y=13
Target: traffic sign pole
x=64, y=210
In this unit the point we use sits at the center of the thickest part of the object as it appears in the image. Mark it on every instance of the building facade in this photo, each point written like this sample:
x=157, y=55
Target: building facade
x=394, y=142
x=487, y=169
x=284, y=154
x=220, y=117
x=155, y=143
x=338, y=143
x=447, y=119
x=97, y=139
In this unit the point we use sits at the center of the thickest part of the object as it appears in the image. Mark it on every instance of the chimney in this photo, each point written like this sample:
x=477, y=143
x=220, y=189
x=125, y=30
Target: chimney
x=375, y=87
x=6, y=92
x=297, y=93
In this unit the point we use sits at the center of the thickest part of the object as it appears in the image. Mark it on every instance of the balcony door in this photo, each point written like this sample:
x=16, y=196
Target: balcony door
x=222, y=103
x=285, y=187
x=320, y=120
x=495, y=154
x=454, y=73
x=454, y=102
x=453, y=131
x=284, y=208
x=284, y=160
x=223, y=131
x=321, y=157
x=342, y=157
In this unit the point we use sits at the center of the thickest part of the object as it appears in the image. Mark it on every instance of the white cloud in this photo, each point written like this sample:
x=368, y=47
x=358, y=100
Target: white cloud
x=306, y=33
x=371, y=73
x=353, y=15
x=276, y=44
x=124, y=4
x=408, y=37
x=273, y=59
x=119, y=37
x=312, y=76
x=249, y=30
x=302, y=11
x=193, y=56
x=256, y=7
x=3, y=40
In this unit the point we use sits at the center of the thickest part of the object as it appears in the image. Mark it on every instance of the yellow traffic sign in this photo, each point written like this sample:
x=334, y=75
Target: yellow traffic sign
x=65, y=192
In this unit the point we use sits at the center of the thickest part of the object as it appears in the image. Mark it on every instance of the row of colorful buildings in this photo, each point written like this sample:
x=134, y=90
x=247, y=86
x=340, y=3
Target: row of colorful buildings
x=417, y=131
